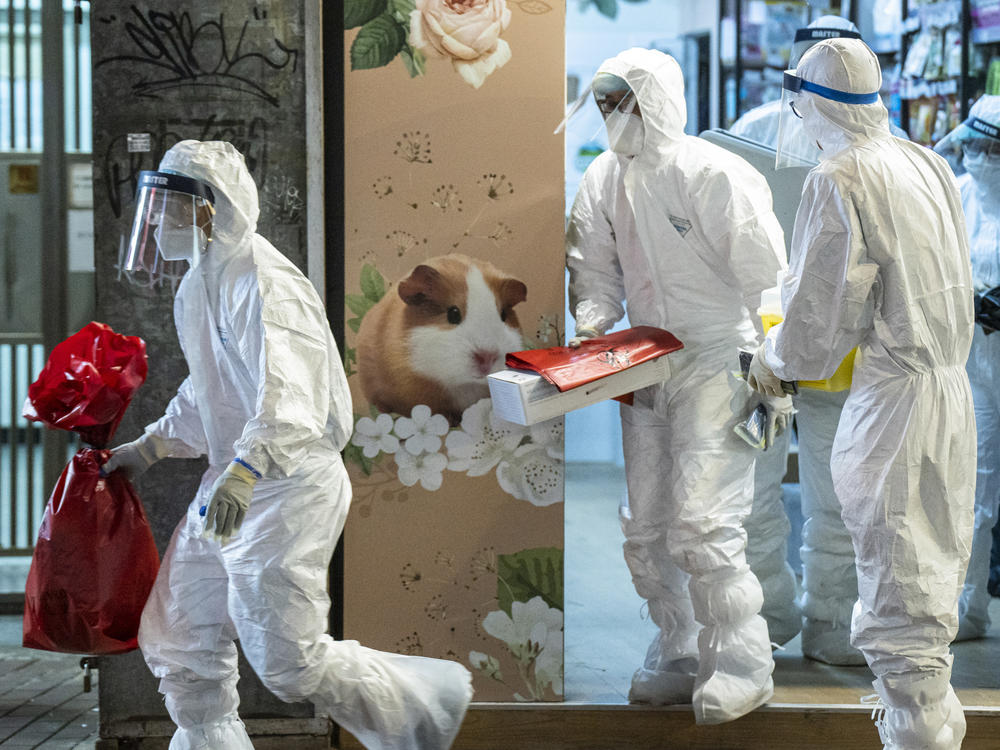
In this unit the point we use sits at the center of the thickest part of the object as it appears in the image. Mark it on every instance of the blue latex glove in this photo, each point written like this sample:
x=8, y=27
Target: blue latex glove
x=228, y=502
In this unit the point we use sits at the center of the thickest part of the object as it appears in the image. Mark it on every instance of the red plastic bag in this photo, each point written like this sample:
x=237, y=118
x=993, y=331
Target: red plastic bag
x=88, y=382
x=93, y=566
x=95, y=559
x=598, y=357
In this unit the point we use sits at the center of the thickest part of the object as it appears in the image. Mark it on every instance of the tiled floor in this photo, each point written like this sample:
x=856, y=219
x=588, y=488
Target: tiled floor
x=42, y=701
x=607, y=633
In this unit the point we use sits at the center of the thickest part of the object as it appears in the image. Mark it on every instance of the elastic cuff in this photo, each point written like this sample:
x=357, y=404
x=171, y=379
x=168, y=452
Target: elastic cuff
x=248, y=467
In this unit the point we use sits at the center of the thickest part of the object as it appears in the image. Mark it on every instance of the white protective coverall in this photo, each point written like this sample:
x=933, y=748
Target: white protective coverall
x=702, y=242
x=603, y=227
x=266, y=385
x=829, y=583
x=880, y=261
x=980, y=188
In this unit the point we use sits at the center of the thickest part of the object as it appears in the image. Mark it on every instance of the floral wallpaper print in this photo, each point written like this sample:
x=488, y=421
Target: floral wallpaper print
x=400, y=442
x=465, y=32
x=454, y=257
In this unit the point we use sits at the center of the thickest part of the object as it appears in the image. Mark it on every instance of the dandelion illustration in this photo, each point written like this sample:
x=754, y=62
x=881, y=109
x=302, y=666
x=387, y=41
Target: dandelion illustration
x=368, y=257
x=382, y=187
x=410, y=645
x=402, y=242
x=446, y=198
x=497, y=186
x=414, y=147
x=436, y=608
x=501, y=233
x=446, y=559
x=484, y=562
x=410, y=577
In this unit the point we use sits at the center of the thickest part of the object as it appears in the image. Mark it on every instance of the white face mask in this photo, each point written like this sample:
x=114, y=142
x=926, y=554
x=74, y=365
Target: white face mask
x=985, y=170
x=180, y=242
x=626, y=133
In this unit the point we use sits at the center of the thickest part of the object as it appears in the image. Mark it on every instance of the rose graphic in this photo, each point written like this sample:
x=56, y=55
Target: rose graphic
x=466, y=31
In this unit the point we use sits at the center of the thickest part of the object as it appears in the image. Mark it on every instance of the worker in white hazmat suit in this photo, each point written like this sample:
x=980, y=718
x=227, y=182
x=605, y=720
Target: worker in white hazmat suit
x=267, y=400
x=760, y=124
x=829, y=582
x=975, y=145
x=880, y=261
x=603, y=226
x=683, y=232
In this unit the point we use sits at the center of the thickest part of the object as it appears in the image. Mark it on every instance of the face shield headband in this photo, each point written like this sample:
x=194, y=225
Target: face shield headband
x=173, y=215
x=983, y=127
x=794, y=84
x=819, y=34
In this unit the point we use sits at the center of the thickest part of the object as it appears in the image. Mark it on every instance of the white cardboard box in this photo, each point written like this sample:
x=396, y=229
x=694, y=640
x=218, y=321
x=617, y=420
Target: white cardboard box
x=525, y=397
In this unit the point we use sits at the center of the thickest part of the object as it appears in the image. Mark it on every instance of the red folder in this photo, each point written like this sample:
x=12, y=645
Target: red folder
x=596, y=358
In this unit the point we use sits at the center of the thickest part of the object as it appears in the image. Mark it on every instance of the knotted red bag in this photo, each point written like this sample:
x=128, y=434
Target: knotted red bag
x=95, y=559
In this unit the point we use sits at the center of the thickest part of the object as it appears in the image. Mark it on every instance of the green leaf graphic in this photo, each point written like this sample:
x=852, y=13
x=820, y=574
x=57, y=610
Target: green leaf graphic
x=360, y=12
x=414, y=60
x=357, y=304
x=401, y=10
x=378, y=42
x=372, y=283
x=530, y=573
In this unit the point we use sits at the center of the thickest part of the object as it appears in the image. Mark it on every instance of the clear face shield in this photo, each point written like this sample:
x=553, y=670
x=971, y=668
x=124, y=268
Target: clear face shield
x=173, y=223
x=796, y=146
x=974, y=140
x=616, y=121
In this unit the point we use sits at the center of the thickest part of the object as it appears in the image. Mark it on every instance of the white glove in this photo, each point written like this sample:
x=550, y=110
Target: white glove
x=761, y=378
x=228, y=502
x=136, y=457
x=583, y=332
x=779, y=417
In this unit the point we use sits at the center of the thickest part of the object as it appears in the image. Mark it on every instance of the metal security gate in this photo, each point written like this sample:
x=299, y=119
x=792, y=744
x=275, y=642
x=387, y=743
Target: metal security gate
x=45, y=126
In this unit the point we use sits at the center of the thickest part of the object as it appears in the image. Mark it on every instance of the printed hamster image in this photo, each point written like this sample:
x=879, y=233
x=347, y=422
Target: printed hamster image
x=436, y=335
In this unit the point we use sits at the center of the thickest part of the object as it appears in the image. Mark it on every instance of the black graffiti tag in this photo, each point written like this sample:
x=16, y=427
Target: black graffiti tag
x=171, y=52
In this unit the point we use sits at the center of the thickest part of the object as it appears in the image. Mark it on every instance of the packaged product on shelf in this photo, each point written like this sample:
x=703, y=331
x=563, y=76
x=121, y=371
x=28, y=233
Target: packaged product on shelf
x=916, y=58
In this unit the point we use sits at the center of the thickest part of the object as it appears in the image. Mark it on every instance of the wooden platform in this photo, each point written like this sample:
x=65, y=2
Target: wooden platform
x=778, y=726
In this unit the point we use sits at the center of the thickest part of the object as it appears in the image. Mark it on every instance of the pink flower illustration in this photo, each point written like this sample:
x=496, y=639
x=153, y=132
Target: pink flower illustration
x=466, y=31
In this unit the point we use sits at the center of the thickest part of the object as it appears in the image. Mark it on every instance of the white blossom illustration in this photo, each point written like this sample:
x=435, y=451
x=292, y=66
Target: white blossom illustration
x=425, y=468
x=549, y=435
x=533, y=633
x=375, y=435
x=422, y=431
x=532, y=474
x=483, y=440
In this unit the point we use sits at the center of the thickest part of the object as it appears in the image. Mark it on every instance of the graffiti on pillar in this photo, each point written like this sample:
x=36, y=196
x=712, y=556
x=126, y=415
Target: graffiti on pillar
x=168, y=50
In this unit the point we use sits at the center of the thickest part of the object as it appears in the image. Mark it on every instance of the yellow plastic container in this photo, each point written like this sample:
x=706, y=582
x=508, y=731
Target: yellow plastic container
x=839, y=381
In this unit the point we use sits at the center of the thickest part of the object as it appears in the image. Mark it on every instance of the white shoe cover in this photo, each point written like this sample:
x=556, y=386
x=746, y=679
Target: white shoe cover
x=664, y=685
x=403, y=702
x=830, y=643
x=734, y=675
x=227, y=734
x=921, y=712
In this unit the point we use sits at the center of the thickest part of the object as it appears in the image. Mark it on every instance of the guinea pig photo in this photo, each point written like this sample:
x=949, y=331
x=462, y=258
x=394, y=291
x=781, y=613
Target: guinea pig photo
x=436, y=334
